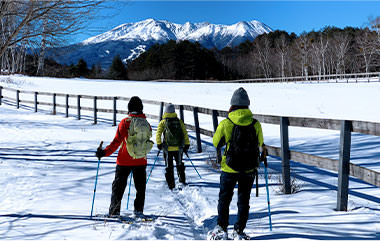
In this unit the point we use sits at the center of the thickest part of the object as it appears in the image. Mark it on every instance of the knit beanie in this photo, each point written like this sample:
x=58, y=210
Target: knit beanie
x=169, y=108
x=240, y=98
x=135, y=105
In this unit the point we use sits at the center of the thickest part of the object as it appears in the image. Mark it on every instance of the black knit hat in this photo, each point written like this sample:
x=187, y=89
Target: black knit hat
x=135, y=105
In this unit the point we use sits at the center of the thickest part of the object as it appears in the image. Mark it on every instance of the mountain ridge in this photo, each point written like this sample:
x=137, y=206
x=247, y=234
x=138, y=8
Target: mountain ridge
x=129, y=40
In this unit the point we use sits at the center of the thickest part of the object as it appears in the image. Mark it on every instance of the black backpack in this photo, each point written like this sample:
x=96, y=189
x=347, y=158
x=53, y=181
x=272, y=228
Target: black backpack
x=243, y=152
x=173, y=134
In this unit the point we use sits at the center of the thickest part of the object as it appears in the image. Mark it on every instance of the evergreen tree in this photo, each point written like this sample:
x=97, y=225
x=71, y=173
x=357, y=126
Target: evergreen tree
x=117, y=69
x=82, y=70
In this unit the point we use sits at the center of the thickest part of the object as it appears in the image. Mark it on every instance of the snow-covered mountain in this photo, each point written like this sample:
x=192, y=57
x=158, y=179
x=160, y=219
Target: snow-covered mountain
x=131, y=39
x=209, y=35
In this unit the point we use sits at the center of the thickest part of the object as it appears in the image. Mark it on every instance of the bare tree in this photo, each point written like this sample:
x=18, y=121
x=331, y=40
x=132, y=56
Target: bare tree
x=282, y=47
x=367, y=47
x=263, y=54
x=318, y=51
x=341, y=43
x=303, y=45
x=37, y=20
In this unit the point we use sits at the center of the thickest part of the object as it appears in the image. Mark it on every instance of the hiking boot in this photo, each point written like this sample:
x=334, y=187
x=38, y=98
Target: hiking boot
x=240, y=235
x=218, y=233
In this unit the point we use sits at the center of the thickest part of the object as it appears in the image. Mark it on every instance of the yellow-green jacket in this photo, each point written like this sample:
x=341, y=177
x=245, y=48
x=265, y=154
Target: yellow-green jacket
x=161, y=127
x=223, y=133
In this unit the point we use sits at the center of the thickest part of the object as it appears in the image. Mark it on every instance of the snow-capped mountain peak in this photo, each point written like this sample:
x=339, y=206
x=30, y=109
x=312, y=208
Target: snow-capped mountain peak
x=129, y=40
x=162, y=31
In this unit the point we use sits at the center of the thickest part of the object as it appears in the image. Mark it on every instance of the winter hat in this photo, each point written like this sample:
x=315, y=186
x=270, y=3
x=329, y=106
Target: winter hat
x=135, y=105
x=240, y=98
x=169, y=108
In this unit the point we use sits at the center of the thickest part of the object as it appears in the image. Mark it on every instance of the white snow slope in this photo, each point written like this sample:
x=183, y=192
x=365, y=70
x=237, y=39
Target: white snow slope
x=162, y=31
x=48, y=167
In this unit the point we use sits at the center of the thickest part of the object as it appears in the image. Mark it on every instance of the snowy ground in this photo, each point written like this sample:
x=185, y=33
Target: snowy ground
x=48, y=166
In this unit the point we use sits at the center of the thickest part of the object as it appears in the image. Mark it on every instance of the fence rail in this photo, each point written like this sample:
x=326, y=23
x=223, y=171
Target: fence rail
x=342, y=165
x=354, y=77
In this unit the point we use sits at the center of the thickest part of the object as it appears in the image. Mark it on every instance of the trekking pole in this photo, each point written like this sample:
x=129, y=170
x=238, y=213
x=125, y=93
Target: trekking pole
x=266, y=184
x=154, y=163
x=96, y=180
x=129, y=191
x=257, y=182
x=193, y=165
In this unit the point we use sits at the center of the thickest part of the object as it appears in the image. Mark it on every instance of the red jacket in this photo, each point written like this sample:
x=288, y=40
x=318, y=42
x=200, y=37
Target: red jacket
x=123, y=158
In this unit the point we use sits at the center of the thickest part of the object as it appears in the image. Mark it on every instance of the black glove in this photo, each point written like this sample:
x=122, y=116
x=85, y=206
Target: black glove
x=186, y=148
x=159, y=146
x=100, y=153
x=263, y=156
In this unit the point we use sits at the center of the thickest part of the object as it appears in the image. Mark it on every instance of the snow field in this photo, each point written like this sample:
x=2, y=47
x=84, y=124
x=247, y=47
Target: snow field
x=49, y=168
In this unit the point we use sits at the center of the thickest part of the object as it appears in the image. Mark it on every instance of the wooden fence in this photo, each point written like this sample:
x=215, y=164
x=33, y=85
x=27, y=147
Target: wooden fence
x=343, y=165
x=332, y=78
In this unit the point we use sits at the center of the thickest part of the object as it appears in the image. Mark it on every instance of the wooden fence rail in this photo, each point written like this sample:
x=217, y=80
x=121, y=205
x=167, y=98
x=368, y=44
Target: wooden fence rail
x=337, y=78
x=343, y=166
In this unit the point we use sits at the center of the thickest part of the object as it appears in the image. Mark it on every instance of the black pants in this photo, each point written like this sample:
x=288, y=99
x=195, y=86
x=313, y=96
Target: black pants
x=227, y=185
x=120, y=182
x=169, y=171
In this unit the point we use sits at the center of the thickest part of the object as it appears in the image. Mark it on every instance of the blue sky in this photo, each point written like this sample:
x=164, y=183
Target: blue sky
x=291, y=16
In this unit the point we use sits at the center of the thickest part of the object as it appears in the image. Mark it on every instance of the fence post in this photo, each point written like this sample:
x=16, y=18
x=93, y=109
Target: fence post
x=161, y=110
x=17, y=99
x=215, y=124
x=35, y=101
x=114, y=111
x=1, y=93
x=67, y=105
x=344, y=165
x=197, y=130
x=54, y=103
x=78, y=106
x=95, y=110
x=181, y=116
x=285, y=154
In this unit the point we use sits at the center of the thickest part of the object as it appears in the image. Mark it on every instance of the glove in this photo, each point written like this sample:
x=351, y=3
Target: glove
x=159, y=146
x=263, y=156
x=186, y=148
x=100, y=153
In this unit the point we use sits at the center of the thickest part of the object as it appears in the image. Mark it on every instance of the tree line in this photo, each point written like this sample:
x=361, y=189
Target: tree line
x=328, y=51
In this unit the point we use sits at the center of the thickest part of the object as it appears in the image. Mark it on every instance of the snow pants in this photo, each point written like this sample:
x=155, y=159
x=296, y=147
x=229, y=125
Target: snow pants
x=120, y=182
x=227, y=185
x=169, y=171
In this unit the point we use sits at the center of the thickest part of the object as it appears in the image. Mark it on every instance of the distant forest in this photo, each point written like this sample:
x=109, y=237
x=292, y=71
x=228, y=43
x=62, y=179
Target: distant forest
x=277, y=54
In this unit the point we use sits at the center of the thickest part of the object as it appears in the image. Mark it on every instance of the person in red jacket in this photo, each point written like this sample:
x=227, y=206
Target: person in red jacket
x=126, y=164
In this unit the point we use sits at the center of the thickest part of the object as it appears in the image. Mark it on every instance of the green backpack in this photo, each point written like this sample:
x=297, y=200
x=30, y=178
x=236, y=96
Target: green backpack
x=173, y=134
x=139, y=134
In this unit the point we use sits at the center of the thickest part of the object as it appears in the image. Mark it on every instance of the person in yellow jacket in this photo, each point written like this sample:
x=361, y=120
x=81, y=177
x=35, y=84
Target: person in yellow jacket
x=175, y=141
x=238, y=115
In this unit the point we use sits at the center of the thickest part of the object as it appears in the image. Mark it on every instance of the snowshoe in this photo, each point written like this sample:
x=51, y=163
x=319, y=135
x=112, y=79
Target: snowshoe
x=240, y=235
x=217, y=234
x=138, y=216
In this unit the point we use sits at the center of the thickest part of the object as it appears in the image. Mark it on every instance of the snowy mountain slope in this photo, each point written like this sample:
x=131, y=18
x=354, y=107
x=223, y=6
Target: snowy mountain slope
x=208, y=34
x=48, y=166
x=130, y=39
